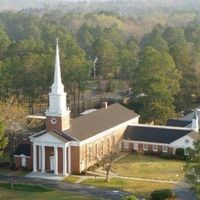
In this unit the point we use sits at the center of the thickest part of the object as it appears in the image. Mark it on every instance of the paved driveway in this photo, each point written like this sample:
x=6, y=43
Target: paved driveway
x=184, y=193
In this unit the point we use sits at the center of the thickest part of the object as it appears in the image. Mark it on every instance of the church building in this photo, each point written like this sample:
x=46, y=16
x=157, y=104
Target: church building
x=67, y=145
x=72, y=145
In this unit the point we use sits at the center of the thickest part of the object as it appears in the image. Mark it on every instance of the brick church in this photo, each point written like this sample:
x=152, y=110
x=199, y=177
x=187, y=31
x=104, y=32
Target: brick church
x=71, y=145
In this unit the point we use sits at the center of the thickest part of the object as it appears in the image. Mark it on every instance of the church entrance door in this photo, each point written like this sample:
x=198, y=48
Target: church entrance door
x=52, y=167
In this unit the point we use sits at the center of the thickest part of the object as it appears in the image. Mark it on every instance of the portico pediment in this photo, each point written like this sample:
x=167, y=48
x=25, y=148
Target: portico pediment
x=50, y=138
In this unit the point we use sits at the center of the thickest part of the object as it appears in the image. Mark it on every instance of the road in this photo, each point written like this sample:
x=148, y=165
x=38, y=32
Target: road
x=98, y=193
x=184, y=193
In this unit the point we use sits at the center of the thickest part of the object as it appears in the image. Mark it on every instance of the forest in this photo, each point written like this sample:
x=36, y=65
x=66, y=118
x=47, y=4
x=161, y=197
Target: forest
x=155, y=53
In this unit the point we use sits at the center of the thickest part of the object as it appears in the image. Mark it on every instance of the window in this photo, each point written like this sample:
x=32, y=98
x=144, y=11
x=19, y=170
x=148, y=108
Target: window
x=23, y=161
x=155, y=147
x=145, y=147
x=90, y=153
x=102, y=148
x=165, y=149
x=113, y=140
x=187, y=141
x=96, y=149
x=108, y=143
x=135, y=146
x=126, y=144
x=187, y=151
x=120, y=145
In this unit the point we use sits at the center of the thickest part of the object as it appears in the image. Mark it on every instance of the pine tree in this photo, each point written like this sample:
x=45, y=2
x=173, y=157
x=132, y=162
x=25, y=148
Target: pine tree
x=158, y=79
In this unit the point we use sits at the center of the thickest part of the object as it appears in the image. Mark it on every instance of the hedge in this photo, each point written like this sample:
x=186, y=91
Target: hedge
x=161, y=194
x=129, y=198
x=26, y=187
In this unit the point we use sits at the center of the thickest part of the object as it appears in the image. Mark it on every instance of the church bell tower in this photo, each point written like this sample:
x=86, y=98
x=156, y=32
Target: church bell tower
x=57, y=115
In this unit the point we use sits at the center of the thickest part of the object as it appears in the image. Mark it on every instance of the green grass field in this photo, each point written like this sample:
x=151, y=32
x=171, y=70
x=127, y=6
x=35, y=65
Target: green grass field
x=141, y=188
x=150, y=167
x=71, y=179
x=7, y=194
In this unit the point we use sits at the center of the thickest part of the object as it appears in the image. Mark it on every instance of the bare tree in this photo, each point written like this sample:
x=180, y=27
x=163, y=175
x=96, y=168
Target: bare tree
x=13, y=117
x=103, y=153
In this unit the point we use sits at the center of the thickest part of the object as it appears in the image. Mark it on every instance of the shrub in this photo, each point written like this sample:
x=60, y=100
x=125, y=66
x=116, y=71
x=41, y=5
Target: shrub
x=129, y=198
x=26, y=187
x=180, y=153
x=161, y=194
x=151, y=153
x=166, y=156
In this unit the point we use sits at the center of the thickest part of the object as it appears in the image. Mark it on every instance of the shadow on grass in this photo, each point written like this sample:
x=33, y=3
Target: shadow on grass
x=26, y=187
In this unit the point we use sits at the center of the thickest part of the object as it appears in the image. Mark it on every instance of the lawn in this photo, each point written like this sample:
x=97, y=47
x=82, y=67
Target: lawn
x=151, y=167
x=71, y=179
x=53, y=195
x=141, y=188
x=7, y=171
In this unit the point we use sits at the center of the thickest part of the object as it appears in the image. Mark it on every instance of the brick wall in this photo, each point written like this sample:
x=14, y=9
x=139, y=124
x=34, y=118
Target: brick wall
x=129, y=147
x=75, y=159
x=104, y=146
x=17, y=161
x=61, y=124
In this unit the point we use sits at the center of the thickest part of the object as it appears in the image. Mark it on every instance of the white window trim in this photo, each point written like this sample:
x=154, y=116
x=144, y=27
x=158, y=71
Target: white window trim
x=126, y=145
x=164, y=150
x=186, y=153
x=155, y=149
x=135, y=146
x=23, y=161
x=145, y=149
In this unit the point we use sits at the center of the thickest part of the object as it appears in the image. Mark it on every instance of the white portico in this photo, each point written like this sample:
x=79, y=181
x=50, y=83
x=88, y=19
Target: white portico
x=50, y=149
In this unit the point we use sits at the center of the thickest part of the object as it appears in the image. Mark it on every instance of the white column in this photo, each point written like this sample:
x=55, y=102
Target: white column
x=55, y=160
x=43, y=159
x=64, y=161
x=34, y=158
x=40, y=157
x=69, y=159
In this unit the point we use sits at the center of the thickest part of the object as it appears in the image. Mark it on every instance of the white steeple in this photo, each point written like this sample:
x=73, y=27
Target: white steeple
x=57, y=87
x=195, y=122
x=57, y=97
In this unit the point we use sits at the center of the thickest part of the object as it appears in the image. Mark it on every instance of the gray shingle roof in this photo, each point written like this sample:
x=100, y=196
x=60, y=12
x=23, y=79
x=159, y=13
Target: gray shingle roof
x=178, y=122
x=154, y=134
x=101, y=120
x=23, y=149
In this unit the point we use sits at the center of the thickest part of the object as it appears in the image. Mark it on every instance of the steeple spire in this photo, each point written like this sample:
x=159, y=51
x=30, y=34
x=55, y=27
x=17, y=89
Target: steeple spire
x=57, y=115
x=57, y=86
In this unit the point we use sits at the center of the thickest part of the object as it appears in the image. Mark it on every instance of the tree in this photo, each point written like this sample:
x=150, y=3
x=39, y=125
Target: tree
x=106, y=53
x=187, y=61
x=128, y=61
x=192, y=167
x=155, y=40
x=4, y=42
x=3, y=138
x=103, y=154
x=13, y=117
x=85, y=38
x=75, y=75
x=158, y=79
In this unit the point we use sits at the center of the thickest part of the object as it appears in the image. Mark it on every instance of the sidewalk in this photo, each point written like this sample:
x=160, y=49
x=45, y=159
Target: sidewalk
x=101, y=174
